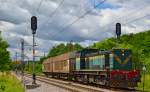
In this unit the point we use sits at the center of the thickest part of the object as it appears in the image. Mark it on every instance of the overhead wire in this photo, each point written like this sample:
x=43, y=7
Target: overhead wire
x=38, y=7
x=36, y=12
x=53, y=13
x=107, y=26
x=130, y=13
x=137, y=19
x=80, y=17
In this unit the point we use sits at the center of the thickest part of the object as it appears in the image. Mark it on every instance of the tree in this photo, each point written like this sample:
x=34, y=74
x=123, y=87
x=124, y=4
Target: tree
x=5, y=62
x=62, y=48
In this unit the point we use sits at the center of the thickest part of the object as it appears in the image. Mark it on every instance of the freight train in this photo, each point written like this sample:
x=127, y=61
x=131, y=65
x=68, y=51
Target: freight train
x=112, y=68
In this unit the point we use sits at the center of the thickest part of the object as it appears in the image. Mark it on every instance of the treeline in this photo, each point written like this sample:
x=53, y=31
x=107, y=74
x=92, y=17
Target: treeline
x=61, y=49
x=5, y=61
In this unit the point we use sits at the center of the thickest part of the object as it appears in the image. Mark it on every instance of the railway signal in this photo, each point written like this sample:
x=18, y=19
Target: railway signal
x=33, y=24
x=118, y=30
x=34, y=27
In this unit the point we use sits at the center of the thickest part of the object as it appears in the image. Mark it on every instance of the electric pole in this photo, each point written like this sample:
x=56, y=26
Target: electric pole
x=71, y=47
x=16, y=56
x=44, y=54
x=16, y=59
x=22, y=57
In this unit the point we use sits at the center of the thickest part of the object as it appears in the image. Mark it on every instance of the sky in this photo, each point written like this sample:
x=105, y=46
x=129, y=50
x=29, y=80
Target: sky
x=60, y=21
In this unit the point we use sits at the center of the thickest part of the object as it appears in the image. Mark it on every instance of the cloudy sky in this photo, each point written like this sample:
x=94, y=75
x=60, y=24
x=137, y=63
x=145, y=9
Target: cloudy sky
x=59, y=21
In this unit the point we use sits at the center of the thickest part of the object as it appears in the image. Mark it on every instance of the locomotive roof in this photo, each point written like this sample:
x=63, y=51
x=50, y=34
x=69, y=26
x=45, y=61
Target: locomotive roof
x=87, y=50
x=103, y=52
x=98, y=53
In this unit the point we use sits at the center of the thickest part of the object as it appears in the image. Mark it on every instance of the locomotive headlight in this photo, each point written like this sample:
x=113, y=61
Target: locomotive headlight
x=122, y=54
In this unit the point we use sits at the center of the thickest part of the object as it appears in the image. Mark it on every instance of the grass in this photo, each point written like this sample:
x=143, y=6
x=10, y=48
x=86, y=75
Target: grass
x=146, y=83
x=147, y=76
x=9, y=83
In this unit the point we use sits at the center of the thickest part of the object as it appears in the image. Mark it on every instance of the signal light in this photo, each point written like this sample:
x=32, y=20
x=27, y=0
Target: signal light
x=33, y=24
x=118, y=30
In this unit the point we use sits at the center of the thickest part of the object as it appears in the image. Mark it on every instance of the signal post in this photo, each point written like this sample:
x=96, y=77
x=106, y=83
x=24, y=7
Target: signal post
x=33, y=27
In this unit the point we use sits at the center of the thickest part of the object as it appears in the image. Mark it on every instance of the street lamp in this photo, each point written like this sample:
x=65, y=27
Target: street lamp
x=33, y=27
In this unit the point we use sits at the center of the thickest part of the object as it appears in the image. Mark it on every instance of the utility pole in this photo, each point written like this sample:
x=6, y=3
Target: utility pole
x=44, y=54
x=71, y=47
x=22, y=57
x=16, y=55
x=16, y=59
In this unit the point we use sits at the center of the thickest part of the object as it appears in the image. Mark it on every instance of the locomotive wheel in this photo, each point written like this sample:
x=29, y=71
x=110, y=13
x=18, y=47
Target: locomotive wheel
x=69, y=77
x=86, y=79
x=107, y=83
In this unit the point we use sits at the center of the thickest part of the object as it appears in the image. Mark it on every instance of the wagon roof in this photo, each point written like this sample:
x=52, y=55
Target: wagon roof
x=61, y=57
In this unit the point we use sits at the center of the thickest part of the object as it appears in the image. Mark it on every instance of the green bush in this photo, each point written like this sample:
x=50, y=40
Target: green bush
x=9, y=83
x=146, y=83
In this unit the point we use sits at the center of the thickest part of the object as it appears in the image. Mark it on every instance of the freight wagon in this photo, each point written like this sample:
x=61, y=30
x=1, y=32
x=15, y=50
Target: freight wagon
x=110, y=68
x=57, y=66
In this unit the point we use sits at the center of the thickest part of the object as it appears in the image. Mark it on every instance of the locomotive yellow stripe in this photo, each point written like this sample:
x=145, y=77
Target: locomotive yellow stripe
x=117, y=59
x=126, y=60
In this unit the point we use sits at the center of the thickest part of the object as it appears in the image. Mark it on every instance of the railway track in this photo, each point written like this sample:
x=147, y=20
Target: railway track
x=76, y=87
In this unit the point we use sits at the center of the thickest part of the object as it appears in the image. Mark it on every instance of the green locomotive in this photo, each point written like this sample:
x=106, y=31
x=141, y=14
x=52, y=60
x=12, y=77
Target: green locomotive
x=108, y=67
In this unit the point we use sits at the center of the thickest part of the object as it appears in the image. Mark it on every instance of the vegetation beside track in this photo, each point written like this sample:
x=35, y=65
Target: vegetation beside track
x=38, y=67
x=9, y=83
x=146, y=83
x=5, y=61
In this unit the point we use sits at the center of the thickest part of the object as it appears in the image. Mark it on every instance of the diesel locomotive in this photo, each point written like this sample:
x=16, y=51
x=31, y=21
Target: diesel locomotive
x=112, y=68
